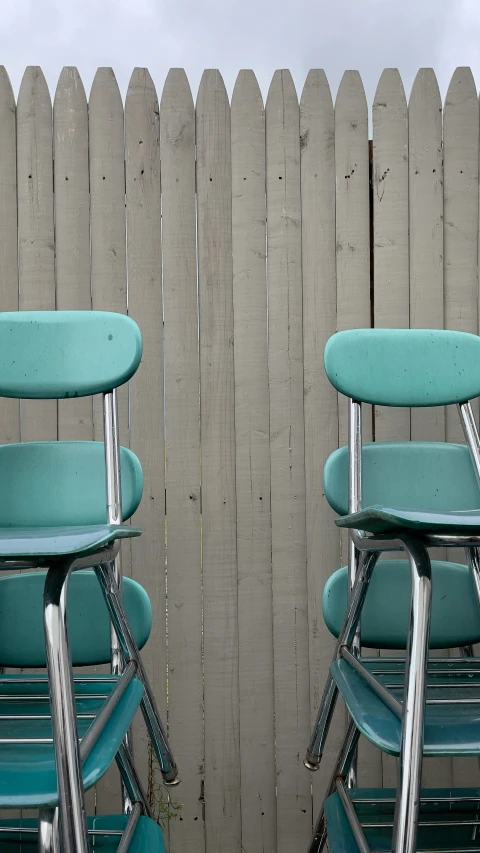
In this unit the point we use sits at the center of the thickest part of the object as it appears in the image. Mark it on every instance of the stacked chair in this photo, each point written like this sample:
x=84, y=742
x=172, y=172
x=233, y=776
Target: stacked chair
x=403, y=497
x=62, y=511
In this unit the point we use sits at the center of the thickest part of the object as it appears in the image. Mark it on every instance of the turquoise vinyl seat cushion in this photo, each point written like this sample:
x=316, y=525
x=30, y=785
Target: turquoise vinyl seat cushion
x=147, y=838
x=450, y=729
x=28, y=777
x=404, y=367
x=455, y=619
x=380, y=810
x=434, y=476
x=22, y=642
x=56, y=354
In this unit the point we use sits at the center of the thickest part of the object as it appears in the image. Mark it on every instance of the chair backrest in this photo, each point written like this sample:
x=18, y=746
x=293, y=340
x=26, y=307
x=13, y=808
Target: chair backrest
x=22, y=639
x=404, y=367
x=385, y=614
x=56, y=354
x=411, y=474
x=62, y=483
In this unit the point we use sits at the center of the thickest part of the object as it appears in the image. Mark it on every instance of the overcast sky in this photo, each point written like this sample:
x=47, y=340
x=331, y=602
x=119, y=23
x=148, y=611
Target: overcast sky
x=231, y=34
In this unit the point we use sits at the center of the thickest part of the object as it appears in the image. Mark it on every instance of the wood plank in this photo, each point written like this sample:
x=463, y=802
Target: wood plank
x=426, y=269
x=107, y=213
x=353, y=275
x=215, y=274
x=108, y=275
x=254, y=538
x=390, y=229
x=460, y=208
x=9, y=409
x=142, y=170
x=317, y=142
x=426, y=227
x=460, y=274
x=185, y=676
x=290, y=602
x=36, y=247
x=72, y=227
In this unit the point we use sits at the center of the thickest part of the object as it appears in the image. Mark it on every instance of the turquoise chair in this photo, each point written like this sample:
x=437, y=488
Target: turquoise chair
x=62, y=508
x=27, y=769
x=407, y=496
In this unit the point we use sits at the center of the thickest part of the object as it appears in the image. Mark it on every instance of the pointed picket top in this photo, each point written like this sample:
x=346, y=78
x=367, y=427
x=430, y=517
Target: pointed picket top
x=316, y=94
x=390, y=92
x=141, y=84
x=282, y=90
x=246, y=91
x=351, y=94
x=177, y=90
x=211, y=90
x=7, y=98
x=105, y=91
x=424, y=89
x=35, y=85
x=177, y=113
x=461, y=95
x=70, y=89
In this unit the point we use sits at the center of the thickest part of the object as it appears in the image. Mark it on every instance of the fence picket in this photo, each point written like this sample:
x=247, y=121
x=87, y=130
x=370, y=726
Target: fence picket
x=317, y=144
x=353, y=273
x=182, y=404
x=9, y=409
x=390, y=228
x=36, y=247
x=215, y=274
x=72, y=226
x=254, y=540
x=144, y=268
x=109, y=273
x=290, y=628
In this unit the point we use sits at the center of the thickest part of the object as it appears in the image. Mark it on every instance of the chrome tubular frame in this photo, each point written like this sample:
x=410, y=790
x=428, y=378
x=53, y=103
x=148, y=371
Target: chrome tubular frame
x=130, y=652
x=48, y=831
x=344, y=760
x=345, y=639
x=416, y=664
x=73, y=827
x=114, y=497
x=131, y=779
x=354, y=505
x=355, y=826
x=130, y=828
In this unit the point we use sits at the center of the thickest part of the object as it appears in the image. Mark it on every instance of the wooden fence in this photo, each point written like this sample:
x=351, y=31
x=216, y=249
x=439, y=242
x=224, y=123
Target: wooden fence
x=165, y=212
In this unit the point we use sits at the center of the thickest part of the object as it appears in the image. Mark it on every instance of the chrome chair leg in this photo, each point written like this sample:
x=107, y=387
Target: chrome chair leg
x=411, y=755
x=131, y=780
x=345, y=638
x=345, y=757
x=48, y=831
x=73, y=827
x=130, y=652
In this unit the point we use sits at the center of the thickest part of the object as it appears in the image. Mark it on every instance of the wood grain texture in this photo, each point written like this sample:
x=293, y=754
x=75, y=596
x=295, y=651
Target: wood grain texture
x=72, y=227
x=107, y=214
x=215, y=281
x=9, y=409
x=144, y=269
x=390, y=228
x=426, y=227
x=108, y=275
x=290, y=626
x=460, y=207
x=254, y=539
x=353, y=276
x=36, y=246
x=185, y=677
x=317, y=142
